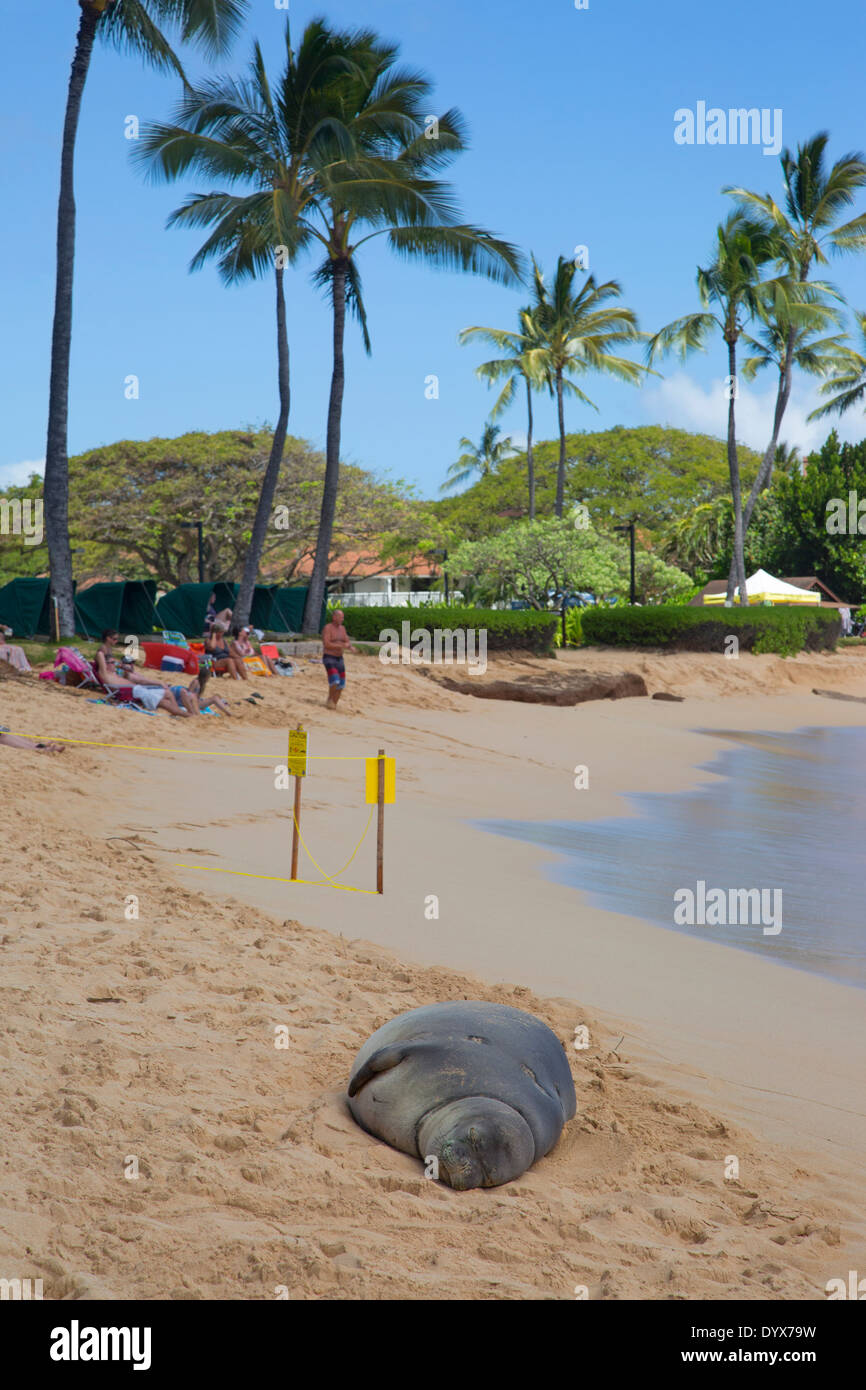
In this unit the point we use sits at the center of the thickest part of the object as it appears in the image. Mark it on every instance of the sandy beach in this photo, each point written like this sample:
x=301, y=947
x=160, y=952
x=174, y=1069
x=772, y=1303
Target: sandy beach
x=153, y=1037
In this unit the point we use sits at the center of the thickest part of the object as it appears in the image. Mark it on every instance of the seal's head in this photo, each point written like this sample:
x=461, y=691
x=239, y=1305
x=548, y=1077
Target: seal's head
x=478, y=1142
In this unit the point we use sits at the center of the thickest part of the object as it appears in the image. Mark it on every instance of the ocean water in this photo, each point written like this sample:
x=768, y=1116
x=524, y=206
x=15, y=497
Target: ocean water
x=789, y=816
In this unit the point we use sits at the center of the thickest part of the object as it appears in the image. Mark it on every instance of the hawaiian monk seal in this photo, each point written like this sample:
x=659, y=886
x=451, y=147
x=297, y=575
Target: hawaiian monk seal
x=482, y=1087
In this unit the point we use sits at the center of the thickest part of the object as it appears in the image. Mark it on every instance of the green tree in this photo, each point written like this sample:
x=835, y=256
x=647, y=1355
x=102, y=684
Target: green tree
x=483, y=458
x=23, y=554
x=574, y=336
x=701, y=541
x=812, y=532
x=521, y=365
x=131, y=25
x=384, y=154
x=846, y=383
x=540, y=561
x=654, y=472
x=815, y=198
x=733, y=285
x=274, y=141
x=130, y=498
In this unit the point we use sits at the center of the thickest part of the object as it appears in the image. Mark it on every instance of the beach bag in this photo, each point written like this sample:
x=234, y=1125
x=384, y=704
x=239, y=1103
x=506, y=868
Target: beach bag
x=175, y=639
x=256, y=665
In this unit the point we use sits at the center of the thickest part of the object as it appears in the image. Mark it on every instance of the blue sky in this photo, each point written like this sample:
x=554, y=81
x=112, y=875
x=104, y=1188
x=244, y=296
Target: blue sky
x=571, y=120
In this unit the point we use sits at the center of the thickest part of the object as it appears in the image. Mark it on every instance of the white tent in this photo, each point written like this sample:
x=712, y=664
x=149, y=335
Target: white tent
x=761, y=587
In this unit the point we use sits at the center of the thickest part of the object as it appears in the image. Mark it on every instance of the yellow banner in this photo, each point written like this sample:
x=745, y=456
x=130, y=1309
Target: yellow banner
x=373, y=780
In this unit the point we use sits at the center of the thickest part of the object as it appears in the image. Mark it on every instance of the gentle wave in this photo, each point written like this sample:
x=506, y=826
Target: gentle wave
x=789, y=813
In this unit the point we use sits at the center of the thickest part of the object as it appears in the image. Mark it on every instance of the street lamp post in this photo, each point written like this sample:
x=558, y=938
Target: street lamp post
x=630, y=529
x=188, y=526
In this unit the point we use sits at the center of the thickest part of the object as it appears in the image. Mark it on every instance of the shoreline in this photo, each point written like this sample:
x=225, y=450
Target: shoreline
x=561, y=860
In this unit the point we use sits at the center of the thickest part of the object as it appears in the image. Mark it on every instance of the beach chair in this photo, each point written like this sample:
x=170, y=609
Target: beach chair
x=74, y=670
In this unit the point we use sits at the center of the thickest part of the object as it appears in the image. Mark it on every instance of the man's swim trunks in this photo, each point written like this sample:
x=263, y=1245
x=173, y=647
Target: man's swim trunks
x=336, y=669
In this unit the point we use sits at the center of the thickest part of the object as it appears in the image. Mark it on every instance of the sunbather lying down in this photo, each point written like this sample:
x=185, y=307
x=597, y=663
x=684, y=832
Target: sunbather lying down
x=16, y=741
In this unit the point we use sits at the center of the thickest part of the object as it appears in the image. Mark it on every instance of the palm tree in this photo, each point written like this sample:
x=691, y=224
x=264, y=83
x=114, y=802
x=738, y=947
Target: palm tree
x=521, y=364
x=245, y=132
x=480, y=458
x=846, y=387
x=814, y=200
x=732, y=283
x=785, y=345
x=380, y=175
x=131, y=25
x=575, y=335
x=692, y=541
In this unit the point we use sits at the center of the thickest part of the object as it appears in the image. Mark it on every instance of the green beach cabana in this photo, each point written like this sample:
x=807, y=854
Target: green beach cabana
x=184, y=609
x=284, y=608
x=25, y=606
x=127, y=606
x=274, y=609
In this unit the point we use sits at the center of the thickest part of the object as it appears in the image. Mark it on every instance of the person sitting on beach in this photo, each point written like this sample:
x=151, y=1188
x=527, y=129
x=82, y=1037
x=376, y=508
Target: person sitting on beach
x=106, y=670
x=212, y=616
x=215, y=646
x=14, y=655
x=241, y=646
x=335, y=641
x=151, y=695
x=193, y=698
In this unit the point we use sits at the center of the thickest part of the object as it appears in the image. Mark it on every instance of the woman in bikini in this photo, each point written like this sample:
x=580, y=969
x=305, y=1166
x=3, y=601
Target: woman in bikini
x=215, y=646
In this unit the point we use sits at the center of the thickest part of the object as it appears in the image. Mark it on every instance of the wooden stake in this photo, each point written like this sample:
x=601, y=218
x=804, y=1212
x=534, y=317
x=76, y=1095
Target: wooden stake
x=296, y=820
x=380, y=826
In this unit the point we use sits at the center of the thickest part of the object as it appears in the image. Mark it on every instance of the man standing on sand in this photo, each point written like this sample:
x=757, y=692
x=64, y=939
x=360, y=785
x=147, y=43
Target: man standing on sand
x=335, y=641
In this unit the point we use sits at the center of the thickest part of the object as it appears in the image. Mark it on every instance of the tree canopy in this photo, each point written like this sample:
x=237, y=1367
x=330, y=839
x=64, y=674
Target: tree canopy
x=542, y=560
x=128, y=501
x=651, y=472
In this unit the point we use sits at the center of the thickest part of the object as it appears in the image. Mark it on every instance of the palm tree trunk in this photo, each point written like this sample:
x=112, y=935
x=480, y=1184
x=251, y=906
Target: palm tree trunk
x=560, y=471
x=56, y=484
x=244, y=600
x=737, y=575
x=783, y=395
x=530, y=457
x=316, y=592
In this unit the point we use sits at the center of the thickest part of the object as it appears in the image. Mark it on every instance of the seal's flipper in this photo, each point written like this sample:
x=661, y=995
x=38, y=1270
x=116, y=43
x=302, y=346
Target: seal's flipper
x=383, y=1060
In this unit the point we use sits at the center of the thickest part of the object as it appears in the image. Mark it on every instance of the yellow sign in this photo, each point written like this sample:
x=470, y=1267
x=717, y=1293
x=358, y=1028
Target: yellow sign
x=297, y=753
x=373, y=780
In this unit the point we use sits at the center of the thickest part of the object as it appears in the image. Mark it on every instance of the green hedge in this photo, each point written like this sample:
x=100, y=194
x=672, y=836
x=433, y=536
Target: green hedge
x=506, y=630
x=785, y=629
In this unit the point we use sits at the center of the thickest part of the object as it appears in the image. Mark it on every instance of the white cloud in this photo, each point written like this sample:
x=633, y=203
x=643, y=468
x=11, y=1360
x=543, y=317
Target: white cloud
x=682, y=402
x=16, y=474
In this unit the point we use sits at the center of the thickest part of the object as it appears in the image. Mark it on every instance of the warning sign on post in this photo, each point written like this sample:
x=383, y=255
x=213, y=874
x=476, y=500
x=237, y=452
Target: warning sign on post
x=297, y=753
x=372, y=787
